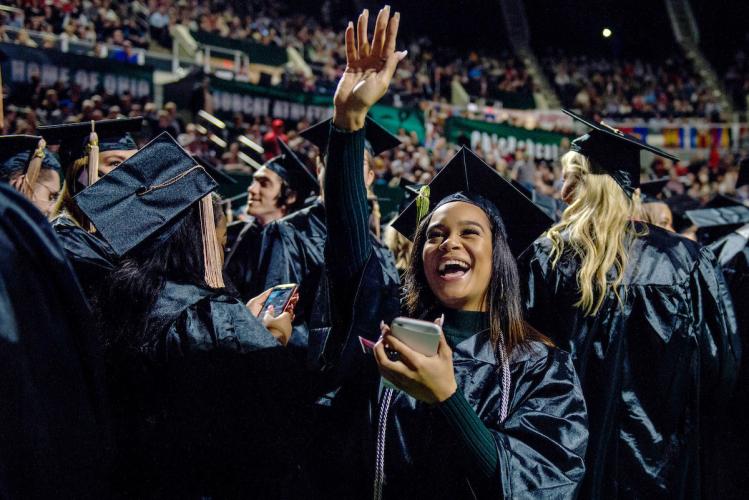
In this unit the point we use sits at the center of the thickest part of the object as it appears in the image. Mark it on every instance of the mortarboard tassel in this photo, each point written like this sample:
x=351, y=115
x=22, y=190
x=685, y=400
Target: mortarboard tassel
x=211, y=247
x=422, y=204
x=93, y=156
x=32, y=172
x=228, y=212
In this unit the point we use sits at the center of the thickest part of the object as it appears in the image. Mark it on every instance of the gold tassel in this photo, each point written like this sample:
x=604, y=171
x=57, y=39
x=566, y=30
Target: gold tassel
x=33, y=170
x=93, y=156
x=229, y=213
x=211, y=249
x=422, y=204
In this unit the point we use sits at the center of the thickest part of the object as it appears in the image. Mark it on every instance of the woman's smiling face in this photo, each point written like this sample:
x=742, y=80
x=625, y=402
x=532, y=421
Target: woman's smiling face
x=457, y=256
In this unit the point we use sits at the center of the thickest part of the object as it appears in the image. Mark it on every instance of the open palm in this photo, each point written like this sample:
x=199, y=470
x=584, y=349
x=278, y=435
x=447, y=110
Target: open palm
x=369, y=68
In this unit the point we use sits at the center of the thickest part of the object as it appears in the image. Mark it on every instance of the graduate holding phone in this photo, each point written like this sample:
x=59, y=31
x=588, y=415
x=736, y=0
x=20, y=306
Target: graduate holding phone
x=497, y=411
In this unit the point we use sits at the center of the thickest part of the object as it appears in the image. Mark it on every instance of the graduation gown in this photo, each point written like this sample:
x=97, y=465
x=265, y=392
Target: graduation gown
x=540, y=446
x=207, y=405
x=242, y=259
x=293, y=251
x=52, y=427
x=546, y=424
x=92, y=257
x=653, y=369
x=732, y=453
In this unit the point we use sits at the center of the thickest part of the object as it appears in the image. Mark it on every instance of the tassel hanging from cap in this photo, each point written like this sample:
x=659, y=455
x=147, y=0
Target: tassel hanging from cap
x=211, y=248
x=422, y=204
x=93, y=156
x=33, y=170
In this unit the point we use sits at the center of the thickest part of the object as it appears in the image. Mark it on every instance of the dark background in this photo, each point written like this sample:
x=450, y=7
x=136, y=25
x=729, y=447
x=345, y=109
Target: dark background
x=640, y=28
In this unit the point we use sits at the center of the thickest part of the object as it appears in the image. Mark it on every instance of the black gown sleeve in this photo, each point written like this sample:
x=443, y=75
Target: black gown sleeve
x=720, y=349
x=348, y=244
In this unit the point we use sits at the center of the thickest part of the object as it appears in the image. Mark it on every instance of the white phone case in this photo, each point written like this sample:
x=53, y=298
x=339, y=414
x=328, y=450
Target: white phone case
x=421, y=336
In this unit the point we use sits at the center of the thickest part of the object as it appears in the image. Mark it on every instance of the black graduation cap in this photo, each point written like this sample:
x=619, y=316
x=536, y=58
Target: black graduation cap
x=145, y=193
x=221, y=177
x=723, y=201
x=16, y=152
x=743, y=178
x=466, y=174
x=613, y=151
x=714, y=223
x=551, y=207
x=291, y=169
x=680, y=204
x=73, y=138
x=377, y=139
x=651, y=189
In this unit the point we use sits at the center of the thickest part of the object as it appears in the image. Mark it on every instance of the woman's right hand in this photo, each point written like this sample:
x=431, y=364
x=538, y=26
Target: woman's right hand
x=279, y=326
x=369, y=68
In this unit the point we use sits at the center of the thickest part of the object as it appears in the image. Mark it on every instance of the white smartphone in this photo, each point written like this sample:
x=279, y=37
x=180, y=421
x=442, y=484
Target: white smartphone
x=421, y=336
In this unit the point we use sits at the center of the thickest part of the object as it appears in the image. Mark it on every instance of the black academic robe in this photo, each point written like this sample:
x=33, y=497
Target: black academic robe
x=243, y=257
x=207, y=405
x=92, y=257
x=293, y=251
x=731, y=450
x=52, y=427
x=654, y=368
x=540, y=445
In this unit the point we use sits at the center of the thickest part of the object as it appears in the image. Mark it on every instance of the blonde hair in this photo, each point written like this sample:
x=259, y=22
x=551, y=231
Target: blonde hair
x=64, y=202
x=598, y=228
x=400, y=246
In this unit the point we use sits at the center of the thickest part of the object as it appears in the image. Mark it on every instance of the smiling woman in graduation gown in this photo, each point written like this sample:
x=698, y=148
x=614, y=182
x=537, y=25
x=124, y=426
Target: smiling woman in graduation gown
x=514, y=424
x=203, y=396
x=656, y=350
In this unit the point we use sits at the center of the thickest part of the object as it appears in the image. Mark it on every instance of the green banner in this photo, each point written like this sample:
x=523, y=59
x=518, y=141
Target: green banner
x=269, y=55
x=92, y=74
x=539, y=144
x=394, y=119
x=231, y=97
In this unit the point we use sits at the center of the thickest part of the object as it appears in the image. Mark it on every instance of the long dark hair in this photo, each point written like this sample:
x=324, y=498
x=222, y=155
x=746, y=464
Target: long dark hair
x=131, y=289
x=504, y=299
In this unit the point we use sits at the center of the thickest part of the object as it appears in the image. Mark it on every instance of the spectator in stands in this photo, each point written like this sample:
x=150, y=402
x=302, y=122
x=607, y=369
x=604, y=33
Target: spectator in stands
x=270, y=143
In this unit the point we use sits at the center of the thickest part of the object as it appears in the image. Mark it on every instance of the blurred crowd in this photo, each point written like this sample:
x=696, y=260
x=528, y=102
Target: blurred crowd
x=634, y=88
x=36, y=104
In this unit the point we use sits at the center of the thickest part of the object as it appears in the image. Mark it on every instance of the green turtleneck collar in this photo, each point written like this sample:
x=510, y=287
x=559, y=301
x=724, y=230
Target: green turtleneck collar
x=460, y=325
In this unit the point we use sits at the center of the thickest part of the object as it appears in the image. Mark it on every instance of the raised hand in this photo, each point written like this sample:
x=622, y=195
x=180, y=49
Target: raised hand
x=369, y=68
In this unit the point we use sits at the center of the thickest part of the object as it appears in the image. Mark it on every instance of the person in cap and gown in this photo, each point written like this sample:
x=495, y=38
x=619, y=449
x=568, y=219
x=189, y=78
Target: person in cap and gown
x=726, y=232
x=498, y=411
x=53, y=439
x=279, y=188
x=645, y=315
x=90, y=255
x=203, y=396
x=653, y=210
x=293, y=247
x=28, y=166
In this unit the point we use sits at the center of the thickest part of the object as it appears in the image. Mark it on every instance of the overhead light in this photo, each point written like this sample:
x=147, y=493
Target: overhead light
x=218, y=141
x=606, y=32
x=201, y=129
x=211, y=119
x=248, y=160
x=251, y=144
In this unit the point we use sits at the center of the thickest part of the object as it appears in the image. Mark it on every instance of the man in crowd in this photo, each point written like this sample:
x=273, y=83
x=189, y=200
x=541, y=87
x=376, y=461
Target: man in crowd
x=279, y=188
